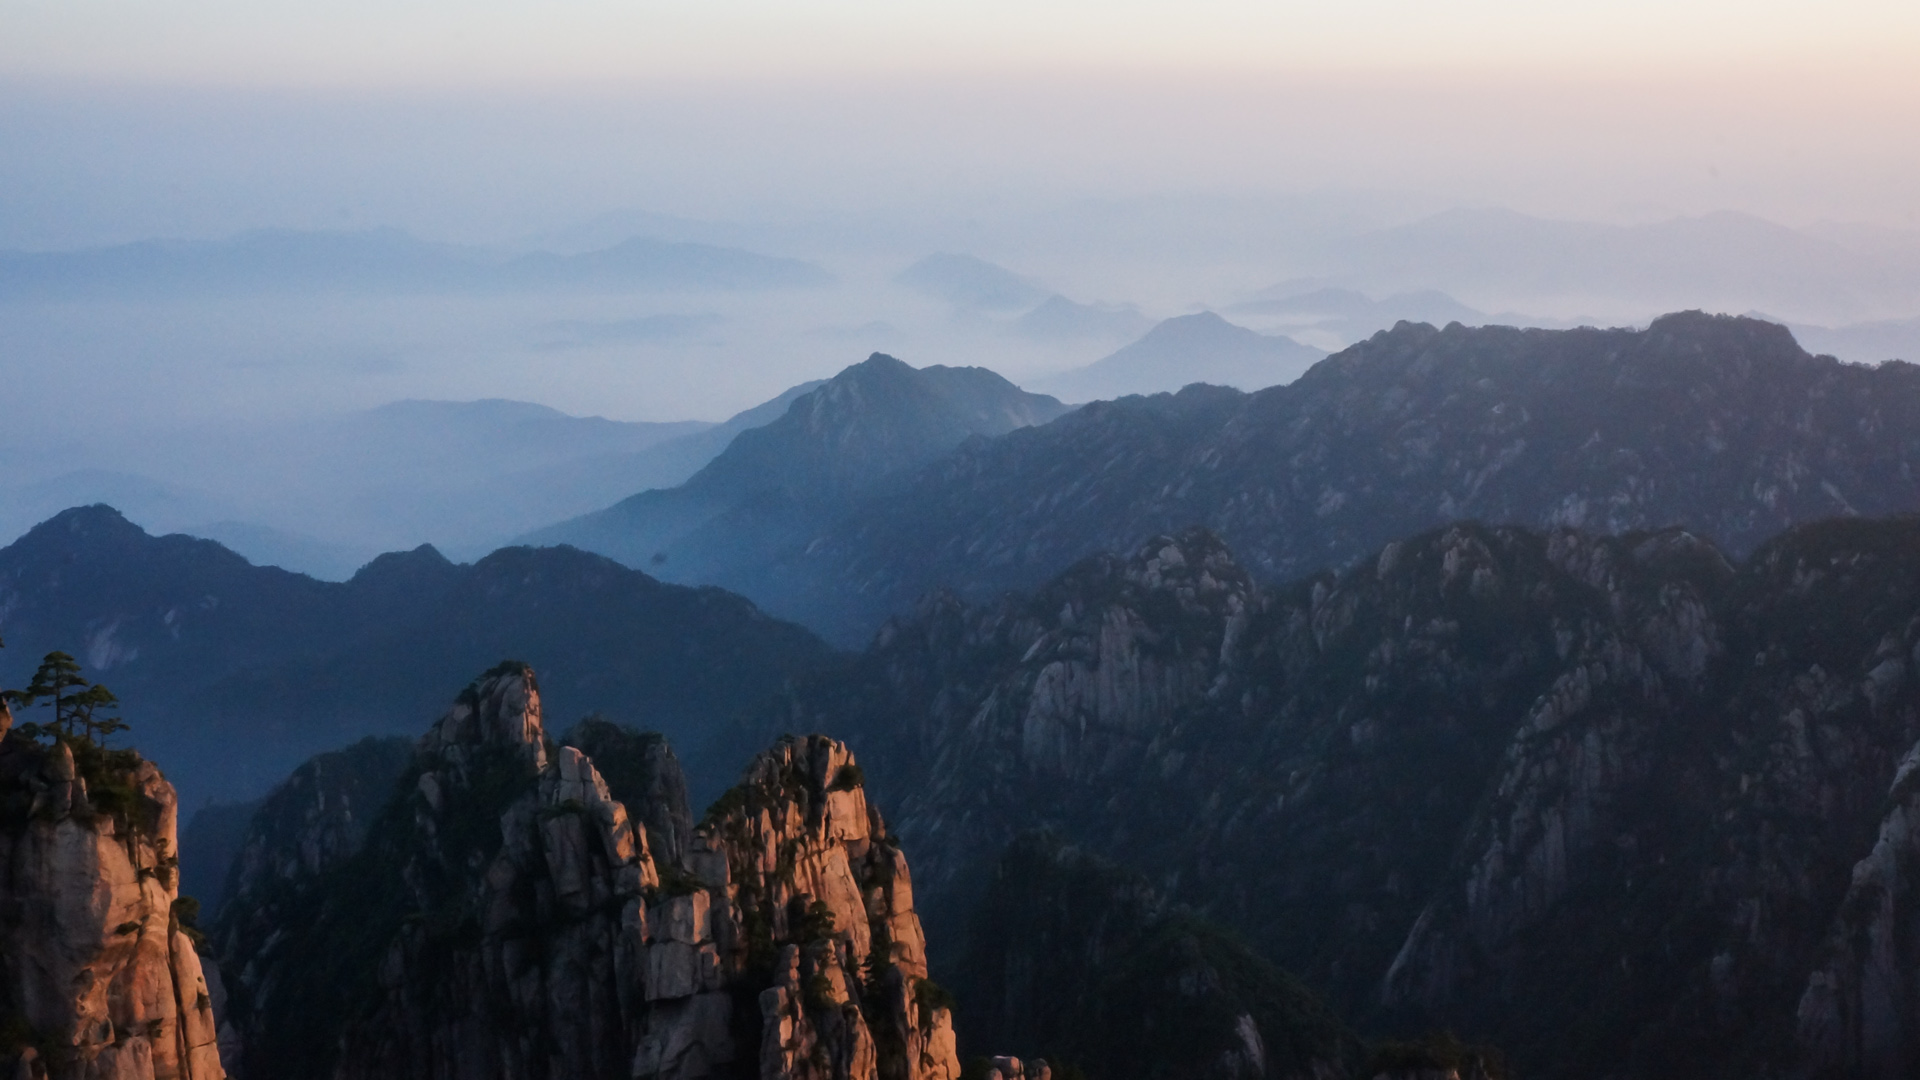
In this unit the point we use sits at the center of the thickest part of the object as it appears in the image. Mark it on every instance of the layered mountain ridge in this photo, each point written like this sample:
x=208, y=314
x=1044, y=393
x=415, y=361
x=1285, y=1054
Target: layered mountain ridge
x=774, y=485
x=238, y=672
x=1590, y=798
x=1722, y=425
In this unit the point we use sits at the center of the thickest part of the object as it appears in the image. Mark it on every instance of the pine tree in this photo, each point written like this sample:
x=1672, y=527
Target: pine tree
x=77, y=704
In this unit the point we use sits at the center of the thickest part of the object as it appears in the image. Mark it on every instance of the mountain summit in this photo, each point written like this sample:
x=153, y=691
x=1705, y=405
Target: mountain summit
x=873, y=423
x=1188, y=349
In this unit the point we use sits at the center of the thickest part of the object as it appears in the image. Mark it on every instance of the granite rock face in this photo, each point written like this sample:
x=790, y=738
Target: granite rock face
x=506, y=915
x=1561, y=793
x=817, y=889
x=99, y=978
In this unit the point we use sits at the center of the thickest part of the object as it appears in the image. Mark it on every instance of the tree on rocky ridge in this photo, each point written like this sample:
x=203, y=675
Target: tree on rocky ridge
x=76, y=703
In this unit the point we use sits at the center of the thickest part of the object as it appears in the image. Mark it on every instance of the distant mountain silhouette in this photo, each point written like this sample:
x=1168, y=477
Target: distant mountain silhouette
x=968, y=282
x=323, y=496
x=1200, y=348
x=385, y=260
x=843, y=441
x=232, y=673
x=1060, y=319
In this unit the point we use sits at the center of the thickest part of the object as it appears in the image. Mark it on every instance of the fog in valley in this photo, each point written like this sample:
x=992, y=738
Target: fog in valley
x=231, y=280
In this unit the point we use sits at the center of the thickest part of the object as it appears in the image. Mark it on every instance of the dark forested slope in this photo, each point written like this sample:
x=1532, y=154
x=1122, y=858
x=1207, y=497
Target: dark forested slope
x=233, y=673
x=1618, y=799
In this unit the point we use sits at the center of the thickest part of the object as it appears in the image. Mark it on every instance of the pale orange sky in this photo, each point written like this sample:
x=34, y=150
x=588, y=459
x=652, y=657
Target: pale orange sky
x=484, y=119
x=362, y=42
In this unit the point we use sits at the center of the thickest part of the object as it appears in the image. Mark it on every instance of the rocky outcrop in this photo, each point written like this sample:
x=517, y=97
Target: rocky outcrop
x=642, y=771
x=1561, y=793
x=508, y=916
x=315, y=819
x=816, y=889
x=99, y=978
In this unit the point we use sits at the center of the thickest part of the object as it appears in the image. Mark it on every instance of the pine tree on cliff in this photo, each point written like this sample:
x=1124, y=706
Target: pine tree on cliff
x=77, y=704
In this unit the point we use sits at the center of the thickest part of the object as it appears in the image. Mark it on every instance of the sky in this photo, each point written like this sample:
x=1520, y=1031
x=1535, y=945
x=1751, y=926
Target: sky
x=410, y=42
x=501, y=118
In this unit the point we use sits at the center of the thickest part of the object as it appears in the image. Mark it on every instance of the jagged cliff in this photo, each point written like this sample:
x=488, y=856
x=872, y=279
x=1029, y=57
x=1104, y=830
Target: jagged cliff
x=99, y=979
x=506, y=915
x=1589, y=798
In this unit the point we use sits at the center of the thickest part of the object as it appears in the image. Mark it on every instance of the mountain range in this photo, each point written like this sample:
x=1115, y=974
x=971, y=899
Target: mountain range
x=1551, y=689
x=324, y=496
x=1719, y=424
x=232, y=673
x=1620, y=805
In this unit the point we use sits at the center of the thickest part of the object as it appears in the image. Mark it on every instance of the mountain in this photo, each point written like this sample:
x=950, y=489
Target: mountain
x=1060, y=319
x=863, y=430
x=1619, y=800
x=670, y=462
x=232, y=674
x=967, y=282
x=1201, y=348
x=1724, y=426
x=166, y=505
x=385, y=261
x=503, y=912
x=778, y=934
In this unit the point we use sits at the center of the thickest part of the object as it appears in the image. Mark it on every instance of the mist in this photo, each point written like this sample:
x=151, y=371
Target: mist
x=196, y=382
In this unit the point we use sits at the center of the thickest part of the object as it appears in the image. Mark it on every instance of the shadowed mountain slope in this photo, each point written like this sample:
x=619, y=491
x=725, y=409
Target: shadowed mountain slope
x=1722, y=425
x=1615, y=804
x=235, y=673
x=837, y=444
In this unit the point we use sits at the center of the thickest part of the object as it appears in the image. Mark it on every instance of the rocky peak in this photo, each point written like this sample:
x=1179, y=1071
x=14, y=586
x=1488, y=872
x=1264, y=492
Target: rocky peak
x=99, y=976
x=784, y=943
x=872, y=420
x=817, y=891
x=501, y=709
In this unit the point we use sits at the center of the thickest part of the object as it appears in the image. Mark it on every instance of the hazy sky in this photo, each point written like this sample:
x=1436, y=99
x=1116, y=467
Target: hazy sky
x=490, y=119
x=356, y=42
